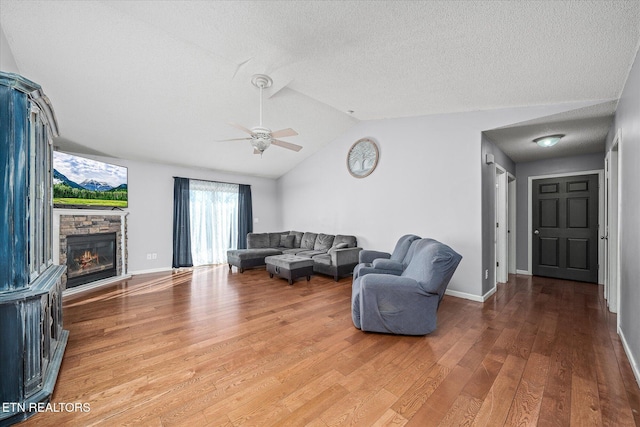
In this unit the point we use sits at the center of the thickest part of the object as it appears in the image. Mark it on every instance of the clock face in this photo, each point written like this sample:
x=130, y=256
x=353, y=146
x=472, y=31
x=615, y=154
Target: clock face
x=362, y=158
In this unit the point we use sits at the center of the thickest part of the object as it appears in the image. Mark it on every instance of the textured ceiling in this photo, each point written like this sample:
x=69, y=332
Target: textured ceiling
x=585, y=131
x=160, y=80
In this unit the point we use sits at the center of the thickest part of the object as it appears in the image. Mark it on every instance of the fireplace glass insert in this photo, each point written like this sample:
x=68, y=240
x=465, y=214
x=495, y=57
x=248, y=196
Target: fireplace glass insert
x=90, y=257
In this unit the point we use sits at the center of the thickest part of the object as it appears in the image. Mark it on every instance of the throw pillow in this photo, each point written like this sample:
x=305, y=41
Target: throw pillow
x=338, y=246
x=349, y=240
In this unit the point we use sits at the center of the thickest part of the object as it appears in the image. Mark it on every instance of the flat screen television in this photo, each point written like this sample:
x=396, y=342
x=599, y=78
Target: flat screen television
x=79, y=182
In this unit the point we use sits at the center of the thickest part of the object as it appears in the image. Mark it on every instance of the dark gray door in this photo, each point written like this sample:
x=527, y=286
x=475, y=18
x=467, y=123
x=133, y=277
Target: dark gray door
x=565, y=228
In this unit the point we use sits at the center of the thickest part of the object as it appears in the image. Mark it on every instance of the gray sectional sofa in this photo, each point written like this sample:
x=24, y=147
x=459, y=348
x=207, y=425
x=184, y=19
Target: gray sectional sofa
x=332, y=255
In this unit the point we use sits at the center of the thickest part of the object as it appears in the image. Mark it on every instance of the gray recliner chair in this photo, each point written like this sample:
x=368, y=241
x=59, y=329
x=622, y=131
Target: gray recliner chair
x=405, y=304
x=371, y=261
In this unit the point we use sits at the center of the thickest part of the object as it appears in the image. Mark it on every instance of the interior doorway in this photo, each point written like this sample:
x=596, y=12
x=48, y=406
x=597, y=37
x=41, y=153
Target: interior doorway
x=565, y=222
x=505, y=222
x=611, y=221
x=601, y=208
x=511, y=203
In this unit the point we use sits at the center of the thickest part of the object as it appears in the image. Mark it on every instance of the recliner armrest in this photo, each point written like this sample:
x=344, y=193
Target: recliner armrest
x=385, y=282
x=368, y=255
x=387, y=264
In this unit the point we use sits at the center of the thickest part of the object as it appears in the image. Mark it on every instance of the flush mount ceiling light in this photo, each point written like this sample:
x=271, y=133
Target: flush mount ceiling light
x=548, y=141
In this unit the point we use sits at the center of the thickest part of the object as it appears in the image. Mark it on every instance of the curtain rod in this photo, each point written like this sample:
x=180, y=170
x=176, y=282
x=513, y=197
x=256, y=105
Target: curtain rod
x=209, y=180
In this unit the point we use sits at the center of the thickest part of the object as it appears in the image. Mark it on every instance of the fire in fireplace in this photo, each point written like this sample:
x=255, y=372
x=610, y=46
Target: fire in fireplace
x=90, y=257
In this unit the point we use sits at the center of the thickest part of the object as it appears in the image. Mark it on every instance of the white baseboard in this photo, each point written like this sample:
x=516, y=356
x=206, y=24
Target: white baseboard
x=489, y=293
x=464, y=295
x=632, y=360
x=153, y=270
x=472, y=297
x=94, y=285
x=525, y=272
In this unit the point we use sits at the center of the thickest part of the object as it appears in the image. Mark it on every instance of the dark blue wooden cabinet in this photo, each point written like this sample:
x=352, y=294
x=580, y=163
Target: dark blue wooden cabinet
x=32, y=339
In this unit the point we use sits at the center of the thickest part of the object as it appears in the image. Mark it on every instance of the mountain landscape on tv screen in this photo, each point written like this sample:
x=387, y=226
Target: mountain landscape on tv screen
x=96, y=184
x=88, y=184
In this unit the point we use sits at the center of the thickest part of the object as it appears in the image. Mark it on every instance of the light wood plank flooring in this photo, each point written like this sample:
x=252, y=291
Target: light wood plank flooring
x=210, y=347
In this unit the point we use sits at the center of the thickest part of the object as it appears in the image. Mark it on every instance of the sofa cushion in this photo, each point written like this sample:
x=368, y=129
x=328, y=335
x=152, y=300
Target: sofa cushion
x=349, y=240
x=258, y=240
x=274, y=239
x=287, y=241
x=247, y=254
x=310, y=253
x=298, y=238
x=323, y=242
x=293, y=251
x=308, y=240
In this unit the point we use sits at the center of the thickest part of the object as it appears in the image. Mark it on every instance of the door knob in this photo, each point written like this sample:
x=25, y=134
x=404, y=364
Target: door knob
x=536, y=232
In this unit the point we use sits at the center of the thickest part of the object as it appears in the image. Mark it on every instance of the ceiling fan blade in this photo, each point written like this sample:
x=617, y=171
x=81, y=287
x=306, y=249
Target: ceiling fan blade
x=242, y=128
x=233, y=139
x=283, y=132
x=256, y=151
x=287, y=145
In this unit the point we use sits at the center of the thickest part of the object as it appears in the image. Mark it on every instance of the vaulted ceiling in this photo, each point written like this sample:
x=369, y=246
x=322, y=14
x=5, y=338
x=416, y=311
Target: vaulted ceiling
x=161, y=80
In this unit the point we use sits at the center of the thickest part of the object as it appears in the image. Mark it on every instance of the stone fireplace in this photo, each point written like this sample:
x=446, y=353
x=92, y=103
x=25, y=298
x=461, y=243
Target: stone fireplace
x=90, y=257
x=92, y=244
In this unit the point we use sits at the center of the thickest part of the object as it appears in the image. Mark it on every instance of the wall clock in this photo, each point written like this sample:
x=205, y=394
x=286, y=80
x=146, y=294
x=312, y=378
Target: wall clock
x=362, y=158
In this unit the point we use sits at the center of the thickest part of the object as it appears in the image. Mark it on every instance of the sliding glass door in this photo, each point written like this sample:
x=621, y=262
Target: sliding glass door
x=214, y=220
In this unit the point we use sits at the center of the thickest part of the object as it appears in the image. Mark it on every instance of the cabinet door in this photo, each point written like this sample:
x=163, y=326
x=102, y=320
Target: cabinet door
x=39, y=209
x=33, y=351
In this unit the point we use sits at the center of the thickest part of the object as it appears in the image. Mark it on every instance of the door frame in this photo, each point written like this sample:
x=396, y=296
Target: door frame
x=600, y=173
x=612, y=226
x=504, y=245
x=512, y=206
x=501, y=217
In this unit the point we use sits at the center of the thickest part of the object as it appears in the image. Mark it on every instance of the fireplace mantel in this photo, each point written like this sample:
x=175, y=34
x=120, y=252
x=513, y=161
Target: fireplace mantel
x=90, y=221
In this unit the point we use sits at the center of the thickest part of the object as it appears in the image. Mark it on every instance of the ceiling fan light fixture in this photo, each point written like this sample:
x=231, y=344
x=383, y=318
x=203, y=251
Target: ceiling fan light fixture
x=262, y=137
x=548, y=141
x=261, y=141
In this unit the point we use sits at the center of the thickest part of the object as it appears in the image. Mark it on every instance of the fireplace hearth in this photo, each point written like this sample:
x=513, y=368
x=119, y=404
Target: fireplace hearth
x=90, y=257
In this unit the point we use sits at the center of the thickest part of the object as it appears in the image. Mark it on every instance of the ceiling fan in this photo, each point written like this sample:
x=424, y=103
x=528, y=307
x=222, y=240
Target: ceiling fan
x=262, y=137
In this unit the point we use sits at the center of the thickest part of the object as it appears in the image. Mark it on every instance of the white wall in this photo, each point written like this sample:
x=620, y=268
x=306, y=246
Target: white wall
x=7, y=61
x=150, y=219
x=428, y=182
x=628, y=122
x=412, y=190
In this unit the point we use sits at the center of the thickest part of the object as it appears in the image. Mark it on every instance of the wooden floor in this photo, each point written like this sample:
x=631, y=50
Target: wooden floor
x=210, y=347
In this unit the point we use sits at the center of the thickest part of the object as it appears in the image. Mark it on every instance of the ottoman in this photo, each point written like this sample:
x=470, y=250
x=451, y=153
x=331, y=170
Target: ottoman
x=289, y=267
